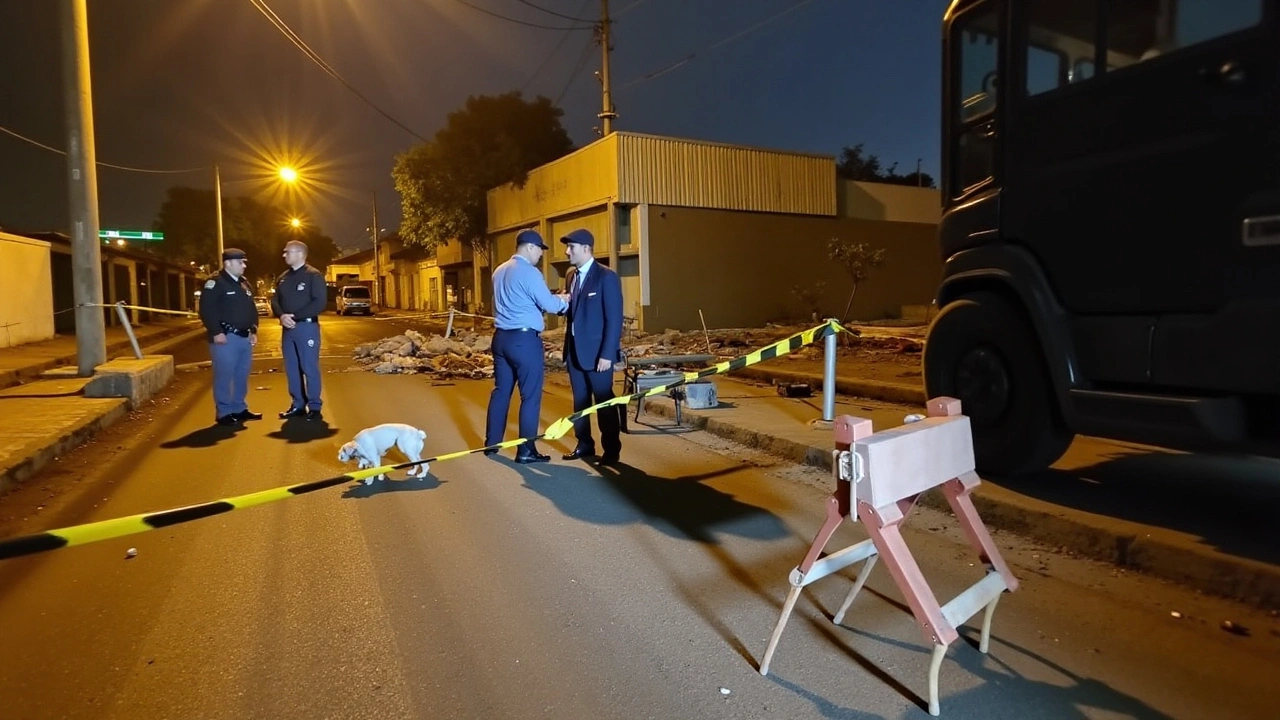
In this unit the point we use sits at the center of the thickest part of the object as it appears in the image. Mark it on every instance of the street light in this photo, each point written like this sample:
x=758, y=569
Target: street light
x=295, y=223
x=286, y=173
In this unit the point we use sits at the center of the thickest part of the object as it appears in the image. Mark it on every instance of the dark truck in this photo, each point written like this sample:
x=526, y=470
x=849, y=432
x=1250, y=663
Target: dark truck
x=1111, y=225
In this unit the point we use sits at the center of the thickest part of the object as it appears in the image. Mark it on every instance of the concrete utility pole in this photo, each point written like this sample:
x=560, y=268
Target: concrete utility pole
x=217, y=206
x=377, y=256
x=607, y=114
x=82, y=170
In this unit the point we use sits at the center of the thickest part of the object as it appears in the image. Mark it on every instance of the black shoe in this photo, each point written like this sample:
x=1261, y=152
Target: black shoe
x=314, y=415
x=609, y=459
x=229, y=420
x=489, y=452
x=579, y=453
x=248, y=414
x=532, y=456
x=292, y=412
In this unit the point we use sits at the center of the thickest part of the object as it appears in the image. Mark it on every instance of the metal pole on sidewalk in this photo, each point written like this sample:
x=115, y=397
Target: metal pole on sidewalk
x=82, y=172
x=829, y=376
x=449, y=329
x=128, y=329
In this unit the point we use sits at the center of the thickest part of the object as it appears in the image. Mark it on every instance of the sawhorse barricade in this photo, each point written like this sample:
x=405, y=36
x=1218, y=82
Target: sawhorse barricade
x=879, y=477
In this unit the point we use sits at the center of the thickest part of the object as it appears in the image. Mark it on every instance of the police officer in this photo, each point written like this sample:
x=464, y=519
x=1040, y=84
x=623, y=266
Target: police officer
x=231, y=321
x=520, y=297
x=300, y=297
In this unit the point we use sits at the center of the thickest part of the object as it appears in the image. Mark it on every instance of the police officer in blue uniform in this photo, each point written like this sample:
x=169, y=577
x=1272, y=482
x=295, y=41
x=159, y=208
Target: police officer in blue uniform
x=300, y=297
x=231, y=322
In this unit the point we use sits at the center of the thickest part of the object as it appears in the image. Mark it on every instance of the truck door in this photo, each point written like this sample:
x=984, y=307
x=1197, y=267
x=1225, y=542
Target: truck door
x=1142, y=135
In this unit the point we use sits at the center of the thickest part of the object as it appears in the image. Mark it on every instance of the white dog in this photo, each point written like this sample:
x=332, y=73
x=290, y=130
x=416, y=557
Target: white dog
x=370, y=444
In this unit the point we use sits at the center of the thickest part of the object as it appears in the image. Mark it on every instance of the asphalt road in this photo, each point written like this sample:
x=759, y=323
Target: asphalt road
x=563, y=590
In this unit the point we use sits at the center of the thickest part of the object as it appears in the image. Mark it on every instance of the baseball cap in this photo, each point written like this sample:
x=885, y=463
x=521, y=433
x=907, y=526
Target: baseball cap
x=530, y=237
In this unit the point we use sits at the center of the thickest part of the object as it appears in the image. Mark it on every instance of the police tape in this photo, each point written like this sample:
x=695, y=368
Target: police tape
x=558, y=428
x=133, y=524
x=187, y=313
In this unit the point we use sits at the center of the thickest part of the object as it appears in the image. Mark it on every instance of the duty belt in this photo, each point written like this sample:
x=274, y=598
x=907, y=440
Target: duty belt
x=242, y=332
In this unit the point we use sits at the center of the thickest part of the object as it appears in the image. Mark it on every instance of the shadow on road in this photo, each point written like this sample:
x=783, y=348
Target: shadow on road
x=394, y=485
x=1004, y=682
x=204, y=437
x=299, y=430
x=1231, y=502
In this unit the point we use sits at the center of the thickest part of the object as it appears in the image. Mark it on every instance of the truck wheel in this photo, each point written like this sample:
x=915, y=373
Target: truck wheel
x=980, y=350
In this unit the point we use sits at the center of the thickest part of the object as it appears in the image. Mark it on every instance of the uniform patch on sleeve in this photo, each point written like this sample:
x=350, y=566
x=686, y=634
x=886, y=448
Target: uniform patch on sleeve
x=210, y=285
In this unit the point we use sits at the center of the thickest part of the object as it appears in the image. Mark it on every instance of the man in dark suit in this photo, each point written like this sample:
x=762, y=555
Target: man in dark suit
x=591, y=342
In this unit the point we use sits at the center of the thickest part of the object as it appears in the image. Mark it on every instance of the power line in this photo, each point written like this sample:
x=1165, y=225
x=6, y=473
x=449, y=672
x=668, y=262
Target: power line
x=41, y=145
x=628, y=8
x=564, y=36
x=298, y=42
x=582, y=61
x=522, y=22
x=553, y=12
x=687, y=58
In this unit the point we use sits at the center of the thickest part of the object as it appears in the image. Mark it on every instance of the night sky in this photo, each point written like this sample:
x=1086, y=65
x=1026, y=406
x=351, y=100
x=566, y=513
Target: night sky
x=181, y=84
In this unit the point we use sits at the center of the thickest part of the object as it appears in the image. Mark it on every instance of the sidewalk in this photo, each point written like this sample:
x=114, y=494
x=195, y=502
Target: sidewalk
x=42, y=418
x=755, y=415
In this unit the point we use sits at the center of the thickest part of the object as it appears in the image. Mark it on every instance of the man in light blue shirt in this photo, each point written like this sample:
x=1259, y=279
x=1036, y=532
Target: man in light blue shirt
x=520, y=297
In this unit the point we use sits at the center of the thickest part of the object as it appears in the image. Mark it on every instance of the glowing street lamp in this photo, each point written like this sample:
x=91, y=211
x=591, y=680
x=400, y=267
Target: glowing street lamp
x=286, y=173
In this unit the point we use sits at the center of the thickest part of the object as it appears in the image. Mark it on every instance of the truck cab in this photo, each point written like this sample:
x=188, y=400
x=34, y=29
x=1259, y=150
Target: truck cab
x=1111, y=225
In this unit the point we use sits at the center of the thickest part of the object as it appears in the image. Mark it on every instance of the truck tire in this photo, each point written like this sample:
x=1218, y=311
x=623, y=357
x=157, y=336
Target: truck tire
x=981, y=350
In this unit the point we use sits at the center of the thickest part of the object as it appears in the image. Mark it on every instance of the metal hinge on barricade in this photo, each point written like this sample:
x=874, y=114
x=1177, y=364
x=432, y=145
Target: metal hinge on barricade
x=848, y=466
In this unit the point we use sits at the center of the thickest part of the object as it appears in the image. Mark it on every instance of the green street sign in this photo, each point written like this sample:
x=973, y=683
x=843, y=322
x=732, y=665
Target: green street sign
x=110, y=235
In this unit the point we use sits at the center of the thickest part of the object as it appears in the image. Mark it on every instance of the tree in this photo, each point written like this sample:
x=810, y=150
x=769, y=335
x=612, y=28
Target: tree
x=489, y=142
x=857, y=164
x=188, y=220
x=857, y=259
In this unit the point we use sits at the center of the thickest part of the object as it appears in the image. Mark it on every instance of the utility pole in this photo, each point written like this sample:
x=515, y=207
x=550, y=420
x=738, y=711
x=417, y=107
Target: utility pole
x=607, y=114
x=919, y=177
x=377, y=256
x=82, y=170
x=217, y=206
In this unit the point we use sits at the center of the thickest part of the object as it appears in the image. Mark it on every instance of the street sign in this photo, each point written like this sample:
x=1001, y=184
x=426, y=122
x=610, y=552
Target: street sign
x=143, y=236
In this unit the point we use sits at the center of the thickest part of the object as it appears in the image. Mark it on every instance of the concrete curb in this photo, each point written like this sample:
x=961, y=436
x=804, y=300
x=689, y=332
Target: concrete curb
x=1239, y=579
x=86, y=429
x=9, y=378
x=873, y=389
x=70, y=439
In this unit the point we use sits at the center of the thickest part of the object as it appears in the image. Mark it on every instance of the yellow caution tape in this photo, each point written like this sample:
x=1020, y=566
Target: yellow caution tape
x=119, y=527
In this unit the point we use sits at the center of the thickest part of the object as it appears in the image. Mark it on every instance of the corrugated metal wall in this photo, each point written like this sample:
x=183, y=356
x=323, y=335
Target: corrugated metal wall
x=669, y=171
x=585, y=177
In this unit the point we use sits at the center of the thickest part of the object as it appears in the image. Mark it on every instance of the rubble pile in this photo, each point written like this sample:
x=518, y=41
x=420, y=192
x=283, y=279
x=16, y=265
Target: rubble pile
x=464, y=356
x=729, y=343
x=467, y=354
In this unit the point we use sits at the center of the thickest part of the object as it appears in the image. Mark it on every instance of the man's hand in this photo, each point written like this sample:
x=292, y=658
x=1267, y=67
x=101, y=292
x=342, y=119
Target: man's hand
x=253, y=339
x=603, y=365
x=220, y=339
x=287, y=321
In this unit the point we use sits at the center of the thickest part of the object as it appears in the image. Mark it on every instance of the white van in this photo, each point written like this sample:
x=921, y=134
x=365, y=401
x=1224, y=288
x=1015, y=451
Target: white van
x=354, y=299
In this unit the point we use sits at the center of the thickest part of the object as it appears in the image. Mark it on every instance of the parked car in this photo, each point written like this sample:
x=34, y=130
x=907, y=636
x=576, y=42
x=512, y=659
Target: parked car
x=355, y=299
x=263, y=305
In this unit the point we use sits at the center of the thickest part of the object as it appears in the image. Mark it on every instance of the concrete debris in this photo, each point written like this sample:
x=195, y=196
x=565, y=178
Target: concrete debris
x=466, y=355
x=728, y=343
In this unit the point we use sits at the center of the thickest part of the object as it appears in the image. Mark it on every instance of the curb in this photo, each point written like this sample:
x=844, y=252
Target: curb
x=1240, y=579
x=9, y=378
x=91, y=426
x=69, y=440
x=851, y=387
